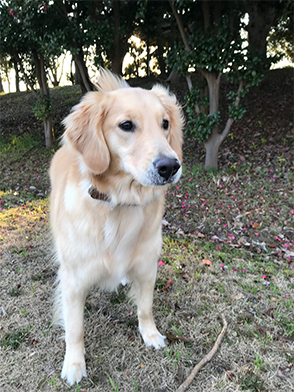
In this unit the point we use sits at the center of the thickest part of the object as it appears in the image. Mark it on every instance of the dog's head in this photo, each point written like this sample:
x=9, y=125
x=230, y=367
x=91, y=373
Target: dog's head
x=130, y=130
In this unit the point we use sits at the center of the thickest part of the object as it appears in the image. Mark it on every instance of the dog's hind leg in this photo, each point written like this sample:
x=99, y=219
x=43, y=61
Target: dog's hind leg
x=73, y=297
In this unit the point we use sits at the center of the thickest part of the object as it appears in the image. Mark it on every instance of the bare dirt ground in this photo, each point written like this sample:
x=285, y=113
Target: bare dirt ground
x=228, y=249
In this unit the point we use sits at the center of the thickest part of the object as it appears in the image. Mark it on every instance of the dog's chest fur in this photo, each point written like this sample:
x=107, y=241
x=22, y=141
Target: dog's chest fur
x=107, y=254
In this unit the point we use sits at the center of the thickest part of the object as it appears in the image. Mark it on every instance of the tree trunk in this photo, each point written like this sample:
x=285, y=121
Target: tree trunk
x=77, y=77
x=48, y=132
x=7, y=78
x=86, y=84
x=213, y=81
x=29, y=85
x=206, y=14
x=173, y=77
x=215, y=140
x=161, y=61
x=212, y=146
x=148, y=57
x=71, y=74
x=116, y=59
x=41, y=73
x=213, y=143
x=1, y=86
x=42, y=80
x=15, y=64
x=261, y=18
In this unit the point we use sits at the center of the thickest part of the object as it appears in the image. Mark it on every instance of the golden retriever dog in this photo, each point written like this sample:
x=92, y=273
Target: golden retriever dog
x=121, y=149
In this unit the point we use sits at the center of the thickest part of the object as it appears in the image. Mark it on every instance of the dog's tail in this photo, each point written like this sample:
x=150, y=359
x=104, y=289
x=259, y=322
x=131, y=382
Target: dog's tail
x=107, y=81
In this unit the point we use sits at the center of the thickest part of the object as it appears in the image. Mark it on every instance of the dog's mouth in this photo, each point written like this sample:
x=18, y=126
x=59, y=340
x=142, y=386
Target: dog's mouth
x=159, y=182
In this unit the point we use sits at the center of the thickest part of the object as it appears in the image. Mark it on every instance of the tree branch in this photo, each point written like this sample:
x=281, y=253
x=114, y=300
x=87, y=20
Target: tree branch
x=184, y=37
x=180, y=26
x=206, y=16
x=206, y=359
x=231, y=120
x=61, y=72
x=79, y=60
x=44, y=85
x=28, y=82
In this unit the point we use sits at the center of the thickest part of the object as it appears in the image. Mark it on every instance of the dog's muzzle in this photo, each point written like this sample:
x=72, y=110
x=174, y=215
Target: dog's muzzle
x=166, y=167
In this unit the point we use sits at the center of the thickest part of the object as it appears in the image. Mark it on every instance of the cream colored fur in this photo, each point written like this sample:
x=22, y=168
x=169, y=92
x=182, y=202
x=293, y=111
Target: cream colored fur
x=99, y=242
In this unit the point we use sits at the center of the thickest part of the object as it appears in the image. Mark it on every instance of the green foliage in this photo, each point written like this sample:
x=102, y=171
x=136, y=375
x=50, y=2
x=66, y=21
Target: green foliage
x=252, y=383
x=17, y=144
x=42, y=107
x=201, y=125
x=281, y=38
x=236, y=112
x=217, y=50
x=214, y=50
x=135, y=52
x=30, y=26
x=14, y=338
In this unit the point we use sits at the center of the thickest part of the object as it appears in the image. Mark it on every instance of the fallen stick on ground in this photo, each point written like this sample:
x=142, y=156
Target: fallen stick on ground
x=206, y=359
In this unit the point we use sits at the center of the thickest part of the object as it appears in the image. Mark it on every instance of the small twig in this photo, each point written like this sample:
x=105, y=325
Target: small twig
x=206, y=359
x=30, y=150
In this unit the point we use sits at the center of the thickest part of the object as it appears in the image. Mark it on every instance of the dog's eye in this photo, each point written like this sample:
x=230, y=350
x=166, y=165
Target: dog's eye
x=127, y=126
x=165, y=124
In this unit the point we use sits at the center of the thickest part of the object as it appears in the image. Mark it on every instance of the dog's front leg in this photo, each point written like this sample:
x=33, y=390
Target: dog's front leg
x=144, y=298
x=73, y=300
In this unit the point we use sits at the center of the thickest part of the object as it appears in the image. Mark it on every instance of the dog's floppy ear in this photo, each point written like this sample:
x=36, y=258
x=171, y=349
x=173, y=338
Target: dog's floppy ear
x=174, y=110
x=84, y=132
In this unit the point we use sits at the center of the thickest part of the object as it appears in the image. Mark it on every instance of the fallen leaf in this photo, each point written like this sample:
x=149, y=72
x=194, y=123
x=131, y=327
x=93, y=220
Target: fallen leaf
x=271, y=245
x=268, y=312
x=198, y=234
x=256, y=225
x=206, y=261
x=183, y=339
x=167, y=286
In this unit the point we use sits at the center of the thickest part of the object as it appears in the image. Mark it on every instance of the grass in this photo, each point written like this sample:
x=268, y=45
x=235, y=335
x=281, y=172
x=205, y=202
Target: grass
x=228, y=247
x=14, y=338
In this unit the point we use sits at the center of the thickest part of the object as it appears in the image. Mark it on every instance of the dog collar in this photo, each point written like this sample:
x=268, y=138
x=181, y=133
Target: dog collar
x=96, y=195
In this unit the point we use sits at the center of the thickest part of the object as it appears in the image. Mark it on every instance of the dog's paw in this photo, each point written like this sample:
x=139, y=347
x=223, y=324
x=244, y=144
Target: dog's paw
x=73, y=371
x=153, y=338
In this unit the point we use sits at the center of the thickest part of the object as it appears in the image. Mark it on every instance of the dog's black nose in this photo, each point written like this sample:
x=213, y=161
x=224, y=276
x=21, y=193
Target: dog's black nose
x=167, y=167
